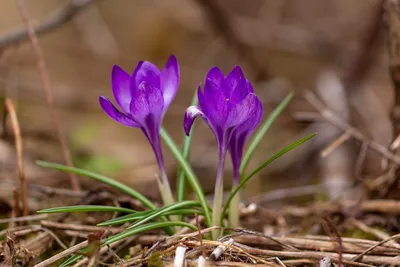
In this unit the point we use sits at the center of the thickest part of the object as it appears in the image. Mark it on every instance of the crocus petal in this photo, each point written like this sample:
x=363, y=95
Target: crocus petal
x=169, y=79
x=234, y=85
x=216, y=76
x=191, y=114
x=146, y=100
x=215, y=103
x=250, y=88
x=151, y=128
x=121, y=87
x=242, y=111
x=115, y=114
x=146, y=72
x=240, y=136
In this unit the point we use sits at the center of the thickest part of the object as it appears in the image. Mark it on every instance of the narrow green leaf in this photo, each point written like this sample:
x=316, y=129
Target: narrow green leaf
x=262, y=131
x=187, y=141
x=161, y=211
x=147, y=227
x=136, y=216
x=190, y=175
x=71, y=260
x=130, y=232
x=262, y=166
x=86, y=208
x=104, y=179
x=101, y=178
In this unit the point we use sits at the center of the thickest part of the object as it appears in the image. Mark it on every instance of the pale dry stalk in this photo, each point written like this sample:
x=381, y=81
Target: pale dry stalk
x=48, y=91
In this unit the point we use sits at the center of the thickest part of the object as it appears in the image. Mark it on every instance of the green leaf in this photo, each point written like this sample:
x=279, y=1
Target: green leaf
x=99, y=164
x=262, y=166
x=147, y=227
x=187, y=141
x=159, y=212
x=190, y=175
x=101, y=178
x=262, y=131
x=107, y=180
x=86, y=208
x=139, y=215
x=130, y=232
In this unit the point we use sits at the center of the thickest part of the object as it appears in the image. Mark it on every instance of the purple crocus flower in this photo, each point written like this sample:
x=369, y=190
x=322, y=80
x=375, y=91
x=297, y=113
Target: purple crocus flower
x=240, y=136
x=143, y=99
x=227, y=104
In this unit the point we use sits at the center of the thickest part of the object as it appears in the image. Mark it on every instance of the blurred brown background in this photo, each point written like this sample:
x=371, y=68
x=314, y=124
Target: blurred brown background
x=283, y=46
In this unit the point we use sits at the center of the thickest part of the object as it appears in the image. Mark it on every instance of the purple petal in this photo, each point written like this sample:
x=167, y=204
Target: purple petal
x=146, y=72
x=216, y=76
x=234, y=86
x=169, y=79
x=202, y=100
x=121, y=87
x=254, y=119
x=240, y=136
x=191, y=114
x=146, y=100
x=236, y=145
x=114, y=114
x=242, y=111
x=215, y=103
x=250, y=88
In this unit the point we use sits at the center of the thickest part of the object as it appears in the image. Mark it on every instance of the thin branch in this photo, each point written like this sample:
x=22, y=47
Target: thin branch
x=203, y=253
x=48, y=90
x=368, y=51
x=376, y=232
x=221, y=22
x=54, y=21
x=63, y=254
x=335, y=144
x=16, y=212
x=10, y=111
x=29, y=218
x=78, y=227
x=330, y=117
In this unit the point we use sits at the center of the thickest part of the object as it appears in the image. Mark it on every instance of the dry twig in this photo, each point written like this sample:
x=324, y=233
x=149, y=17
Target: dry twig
x=221, y=22
x=62, y=254
x=78, y=227
x=376, y=232
x=28, y=218
x=10, y=111
x=330, y=117
x=48, y=90
x=53, y=21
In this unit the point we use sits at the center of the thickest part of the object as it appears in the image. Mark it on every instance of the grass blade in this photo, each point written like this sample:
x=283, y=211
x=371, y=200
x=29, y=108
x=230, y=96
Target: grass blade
x=130, y=232
x=137, y=216
x=159, y=212
x=262, y=131
x=101, y=178
x=107, y=180
x=187, y=141
x=190, y=175
x=262, y=166
x=86, y=208
x=147, y=227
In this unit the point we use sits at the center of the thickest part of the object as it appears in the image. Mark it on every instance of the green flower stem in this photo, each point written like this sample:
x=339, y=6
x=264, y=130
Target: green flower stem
x=234, y=210
x=181, y=179
x=259, y=168
x=190, y=175
x=218, y=194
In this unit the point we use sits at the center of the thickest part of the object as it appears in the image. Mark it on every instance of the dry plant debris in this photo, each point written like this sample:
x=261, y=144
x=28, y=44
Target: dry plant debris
x=239, y=247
